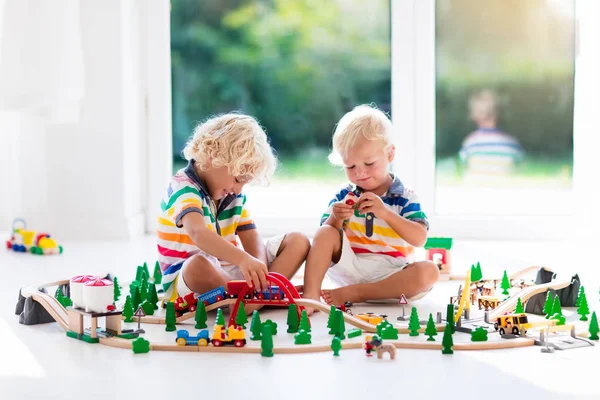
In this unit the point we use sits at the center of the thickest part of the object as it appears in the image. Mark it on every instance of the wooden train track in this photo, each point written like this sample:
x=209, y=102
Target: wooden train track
x=316, y=348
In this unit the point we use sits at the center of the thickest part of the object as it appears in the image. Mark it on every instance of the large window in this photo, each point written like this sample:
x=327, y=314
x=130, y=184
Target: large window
x=297, y=66
x=504, y=106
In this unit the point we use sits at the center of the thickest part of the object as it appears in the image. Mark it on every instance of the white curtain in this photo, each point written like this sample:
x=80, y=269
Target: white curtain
x=41, y=59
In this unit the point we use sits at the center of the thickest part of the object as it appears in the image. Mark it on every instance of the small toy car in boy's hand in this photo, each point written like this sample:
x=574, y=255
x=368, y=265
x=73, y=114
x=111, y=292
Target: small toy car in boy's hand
x=352, y=200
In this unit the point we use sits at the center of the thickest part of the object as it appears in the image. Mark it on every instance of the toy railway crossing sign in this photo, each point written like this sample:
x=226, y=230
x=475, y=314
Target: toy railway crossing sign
x=140, y=313
x=403, y=302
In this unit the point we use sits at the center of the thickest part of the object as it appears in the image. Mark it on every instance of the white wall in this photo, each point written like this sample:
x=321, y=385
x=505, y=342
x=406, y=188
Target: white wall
x=86, y=179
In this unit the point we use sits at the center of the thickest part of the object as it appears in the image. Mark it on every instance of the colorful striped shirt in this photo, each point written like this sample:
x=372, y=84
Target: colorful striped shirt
x=490, y=151
x=185, y=194
x=369, y=235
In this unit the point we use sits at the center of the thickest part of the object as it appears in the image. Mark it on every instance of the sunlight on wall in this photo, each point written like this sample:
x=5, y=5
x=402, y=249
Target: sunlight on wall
x=17, y=360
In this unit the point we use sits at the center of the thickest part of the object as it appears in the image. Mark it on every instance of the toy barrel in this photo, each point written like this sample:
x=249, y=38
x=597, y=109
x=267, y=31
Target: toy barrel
x=98, y=295
x=76, y=288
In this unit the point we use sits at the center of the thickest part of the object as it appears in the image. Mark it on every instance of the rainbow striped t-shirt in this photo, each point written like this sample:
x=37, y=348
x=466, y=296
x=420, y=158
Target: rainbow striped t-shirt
x=489, y=151
x=371, y=236
x=186, y=193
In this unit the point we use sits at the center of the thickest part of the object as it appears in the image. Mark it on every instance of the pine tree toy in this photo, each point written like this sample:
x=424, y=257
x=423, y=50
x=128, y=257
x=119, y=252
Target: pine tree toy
x=548, y=305
x=157, y=274
x=128, y=310
x=304, y=322
x=331, y=320
x=593, y=328
x=583, y=308
x=292, y=319
x=414, y=324
x=201, y=316
x=171, y=318
x=116, y=290
x=519, y=308
x=447, y=342
x=153, y=296
x=255, y=326
x=431, y=329
x=450, y=317
x=220, y=320
x=241, y=318
x=505, y=284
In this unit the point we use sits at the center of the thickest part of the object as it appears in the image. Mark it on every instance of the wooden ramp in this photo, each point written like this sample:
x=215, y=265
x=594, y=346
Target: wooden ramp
x=54, y=308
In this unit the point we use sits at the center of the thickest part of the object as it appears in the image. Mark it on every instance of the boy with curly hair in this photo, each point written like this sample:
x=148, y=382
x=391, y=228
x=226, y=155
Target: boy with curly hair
x=206, y=235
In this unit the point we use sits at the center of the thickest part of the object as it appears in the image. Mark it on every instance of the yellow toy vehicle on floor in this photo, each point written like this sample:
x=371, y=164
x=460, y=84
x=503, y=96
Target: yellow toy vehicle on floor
x=517, y=324
x=234, y=335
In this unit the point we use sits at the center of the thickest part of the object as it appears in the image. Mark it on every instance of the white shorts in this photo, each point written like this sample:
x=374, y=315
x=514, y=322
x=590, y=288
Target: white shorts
x=353, y=269
x=272, y=247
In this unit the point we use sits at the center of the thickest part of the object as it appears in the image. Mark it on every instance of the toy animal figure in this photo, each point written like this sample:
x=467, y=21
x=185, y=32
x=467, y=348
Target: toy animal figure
x=381, y=348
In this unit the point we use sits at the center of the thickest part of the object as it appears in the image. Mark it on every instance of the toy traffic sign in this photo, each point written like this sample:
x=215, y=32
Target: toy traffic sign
x=140, y=313
x=403, y=302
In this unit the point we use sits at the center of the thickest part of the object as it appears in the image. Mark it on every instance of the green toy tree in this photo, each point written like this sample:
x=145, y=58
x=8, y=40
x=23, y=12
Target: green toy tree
x=146, y=270
x=340, y=328
x=431, y=329
x=138, y=273
x=413, y=324
x=128, y=310
x=63, y=300
x=447, y=341
x=147, y=307
x=292, y=319
x=157, y=274
x=144, y=288
x=548, y=305
x=336, y=345
x=476, y=273
x=302, y=337
x=519, y=308
x=556, y=309
x=152, y=295
x=220, y=320
x=505, y=284
x=331, y=320
x=583, y=308
x=255, y=326
x=171, y=318
x=140, y=345
x=136, y=299
x=241, y=318
x=479, y=335
x=579, y=295
x=266, y=343
x=304, y=322
x=450, y=317
x=116, y=289
x=201, y=316
x=593, y=328
x=272, y=325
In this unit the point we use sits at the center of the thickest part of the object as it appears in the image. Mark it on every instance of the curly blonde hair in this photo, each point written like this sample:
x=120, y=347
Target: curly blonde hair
x=236, y=141
x=363, y=121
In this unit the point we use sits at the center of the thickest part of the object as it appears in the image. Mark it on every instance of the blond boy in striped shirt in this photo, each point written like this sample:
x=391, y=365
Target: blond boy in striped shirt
x=206, y=235
x=368, y=252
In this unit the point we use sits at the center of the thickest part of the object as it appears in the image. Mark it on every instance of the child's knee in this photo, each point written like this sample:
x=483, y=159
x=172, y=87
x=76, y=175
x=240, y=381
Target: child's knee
x=299, y=241
x=428, y=274
x=328, y=234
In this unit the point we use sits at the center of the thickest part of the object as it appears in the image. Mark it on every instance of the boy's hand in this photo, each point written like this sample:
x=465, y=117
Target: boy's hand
x=342, y=211
x=255, y=272
x=371, y=203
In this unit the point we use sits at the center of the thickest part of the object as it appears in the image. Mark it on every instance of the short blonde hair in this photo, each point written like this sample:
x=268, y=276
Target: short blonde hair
x=236, y=141
x=363, y=121
x=483, y=105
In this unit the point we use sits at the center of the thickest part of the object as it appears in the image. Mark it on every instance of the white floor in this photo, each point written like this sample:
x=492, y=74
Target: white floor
x=40, y=362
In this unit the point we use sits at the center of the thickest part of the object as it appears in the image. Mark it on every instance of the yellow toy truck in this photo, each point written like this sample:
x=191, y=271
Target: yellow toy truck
x=234, y=335
x=517, y=324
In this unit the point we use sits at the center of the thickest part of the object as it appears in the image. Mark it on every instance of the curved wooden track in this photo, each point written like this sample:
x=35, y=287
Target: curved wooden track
x=525, y=294
x=315, y=348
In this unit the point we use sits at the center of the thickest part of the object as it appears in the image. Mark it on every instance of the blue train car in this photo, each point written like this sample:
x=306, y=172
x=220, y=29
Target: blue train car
x=275, y=291
x=184, y=338
x=212, y=296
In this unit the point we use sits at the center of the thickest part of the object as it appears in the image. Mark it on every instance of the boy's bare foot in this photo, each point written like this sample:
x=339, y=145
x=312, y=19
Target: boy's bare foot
x=336, y=297
x=310, y=310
